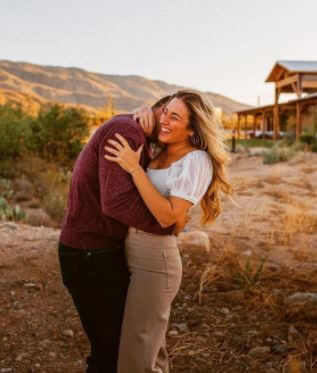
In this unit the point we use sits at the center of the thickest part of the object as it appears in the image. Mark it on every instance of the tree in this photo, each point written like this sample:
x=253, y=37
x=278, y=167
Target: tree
x=59, y=133
x=15, y=131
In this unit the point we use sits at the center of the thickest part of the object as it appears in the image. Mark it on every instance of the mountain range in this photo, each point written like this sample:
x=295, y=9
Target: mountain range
x=33, y=85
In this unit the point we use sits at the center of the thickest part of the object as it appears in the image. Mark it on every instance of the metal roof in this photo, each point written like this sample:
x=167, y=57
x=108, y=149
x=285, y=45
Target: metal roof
x=307, y=66
x=294, y=67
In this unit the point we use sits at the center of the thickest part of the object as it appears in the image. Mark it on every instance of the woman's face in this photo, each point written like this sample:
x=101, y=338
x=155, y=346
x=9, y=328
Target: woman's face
x=174, y=123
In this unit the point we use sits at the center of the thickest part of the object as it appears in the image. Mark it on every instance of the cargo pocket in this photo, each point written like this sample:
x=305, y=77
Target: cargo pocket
x=173, y=269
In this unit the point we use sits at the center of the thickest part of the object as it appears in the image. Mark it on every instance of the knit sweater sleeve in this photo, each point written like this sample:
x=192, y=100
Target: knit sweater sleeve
x=119, y=196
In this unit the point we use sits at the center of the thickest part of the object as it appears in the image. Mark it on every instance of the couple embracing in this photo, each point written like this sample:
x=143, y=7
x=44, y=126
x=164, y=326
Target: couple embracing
x=118, y=252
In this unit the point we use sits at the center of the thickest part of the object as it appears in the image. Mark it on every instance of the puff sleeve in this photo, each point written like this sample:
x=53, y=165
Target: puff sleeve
x=191, y=179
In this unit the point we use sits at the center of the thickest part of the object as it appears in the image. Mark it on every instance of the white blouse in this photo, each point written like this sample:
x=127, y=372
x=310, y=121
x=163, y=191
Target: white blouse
x=188, y=178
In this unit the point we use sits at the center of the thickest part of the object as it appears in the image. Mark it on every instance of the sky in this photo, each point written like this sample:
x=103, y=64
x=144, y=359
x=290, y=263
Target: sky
x=221, y=46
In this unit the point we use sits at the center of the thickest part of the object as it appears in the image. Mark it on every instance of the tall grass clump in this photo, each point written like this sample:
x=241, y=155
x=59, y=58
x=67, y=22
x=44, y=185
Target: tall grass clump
x=279, y=153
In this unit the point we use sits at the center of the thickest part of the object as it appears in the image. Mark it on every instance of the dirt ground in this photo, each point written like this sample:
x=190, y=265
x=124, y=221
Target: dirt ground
x=234, y=312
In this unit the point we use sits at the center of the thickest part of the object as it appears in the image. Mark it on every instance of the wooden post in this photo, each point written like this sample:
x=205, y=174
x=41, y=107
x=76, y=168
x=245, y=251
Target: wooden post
x=254, y=124
x=246, y=127
x=299, y=86
x=276, y=116
x=298, y=120
x=238, y=127
x=263, y=124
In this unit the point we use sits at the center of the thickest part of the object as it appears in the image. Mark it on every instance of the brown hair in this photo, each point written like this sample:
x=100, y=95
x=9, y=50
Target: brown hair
x=209, y=136
x=162, y=101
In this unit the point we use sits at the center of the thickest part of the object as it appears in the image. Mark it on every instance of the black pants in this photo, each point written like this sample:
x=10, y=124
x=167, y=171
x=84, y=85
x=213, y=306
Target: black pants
x=98, y=280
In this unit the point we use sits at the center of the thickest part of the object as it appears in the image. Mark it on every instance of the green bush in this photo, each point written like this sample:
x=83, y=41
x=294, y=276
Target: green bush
x=42, y=148
x=8, y=211
x=15, y=131
x=308, y=138
x=279, y=154
x=249, y=143
x=288, y=139
x=7, y=168
x=59, y=133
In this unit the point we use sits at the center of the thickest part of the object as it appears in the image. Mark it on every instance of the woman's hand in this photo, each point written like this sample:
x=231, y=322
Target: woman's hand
x=128, y=159
x=144, y=115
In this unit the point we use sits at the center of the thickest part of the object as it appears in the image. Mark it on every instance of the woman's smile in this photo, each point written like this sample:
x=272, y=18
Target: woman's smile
x=164, y=131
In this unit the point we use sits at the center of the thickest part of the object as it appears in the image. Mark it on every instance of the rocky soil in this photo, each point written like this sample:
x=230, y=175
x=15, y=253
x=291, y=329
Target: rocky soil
x=248, y=301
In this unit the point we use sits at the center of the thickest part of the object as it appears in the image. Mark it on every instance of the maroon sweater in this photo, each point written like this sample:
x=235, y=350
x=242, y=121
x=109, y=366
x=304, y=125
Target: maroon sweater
x=103, y=200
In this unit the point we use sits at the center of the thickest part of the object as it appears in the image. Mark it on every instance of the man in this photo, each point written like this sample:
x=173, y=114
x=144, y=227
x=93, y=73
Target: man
x=103, y=202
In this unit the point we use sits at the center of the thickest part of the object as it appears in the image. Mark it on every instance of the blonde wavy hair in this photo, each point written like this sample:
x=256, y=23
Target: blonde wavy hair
x=208, y=135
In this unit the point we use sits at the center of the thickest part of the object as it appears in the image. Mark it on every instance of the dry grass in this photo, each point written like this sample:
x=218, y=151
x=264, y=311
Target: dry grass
x=297, y=220
x=272, y=179
x=301, y=253
x=309, y=170
x=283, y=196
x=233, y=278
x=230, y=269
x=303, y=184
x=294, y=364
x=51, y=184
x=245, y=186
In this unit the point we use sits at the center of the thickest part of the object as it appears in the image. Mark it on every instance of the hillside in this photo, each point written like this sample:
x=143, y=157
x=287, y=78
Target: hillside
x=32, y=85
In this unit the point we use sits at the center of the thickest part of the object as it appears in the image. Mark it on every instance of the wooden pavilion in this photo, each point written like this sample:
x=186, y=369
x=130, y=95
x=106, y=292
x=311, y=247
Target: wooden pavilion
x=299, y=77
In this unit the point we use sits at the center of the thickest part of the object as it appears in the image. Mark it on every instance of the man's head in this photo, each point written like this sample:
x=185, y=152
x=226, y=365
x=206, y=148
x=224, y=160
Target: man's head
x=157, y=110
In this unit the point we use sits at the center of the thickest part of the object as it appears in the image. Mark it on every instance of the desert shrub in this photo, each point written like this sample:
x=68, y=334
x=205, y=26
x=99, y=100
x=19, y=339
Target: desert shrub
x=271, y=157
x=54, y=203
x=5, y=188
x=7, y=168
x=289, y=139
x=7, y=210
x=308, y=138
x=59, y=133
x=297, y=219
x=15, y=131
x=51, y=183
x=250, y=272
x=249, y=143
x=10, y=212
x=279, y=154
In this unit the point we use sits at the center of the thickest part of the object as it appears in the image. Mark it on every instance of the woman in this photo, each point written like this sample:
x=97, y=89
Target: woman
x=189, y=169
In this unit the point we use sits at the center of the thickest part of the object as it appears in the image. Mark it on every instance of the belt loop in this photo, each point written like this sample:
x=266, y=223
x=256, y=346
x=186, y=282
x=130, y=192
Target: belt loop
x=136, y=230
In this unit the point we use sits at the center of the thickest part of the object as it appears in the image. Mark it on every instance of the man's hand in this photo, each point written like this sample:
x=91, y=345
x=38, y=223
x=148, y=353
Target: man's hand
x=144, y=115
x=180, y=224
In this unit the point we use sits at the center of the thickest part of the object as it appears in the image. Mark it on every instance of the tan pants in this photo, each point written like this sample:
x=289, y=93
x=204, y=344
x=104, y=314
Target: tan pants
x=156, y=271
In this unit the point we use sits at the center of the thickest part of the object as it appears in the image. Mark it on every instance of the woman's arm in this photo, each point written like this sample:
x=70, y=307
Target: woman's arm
x=166, y=211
